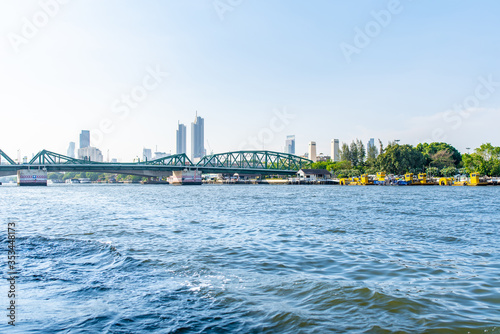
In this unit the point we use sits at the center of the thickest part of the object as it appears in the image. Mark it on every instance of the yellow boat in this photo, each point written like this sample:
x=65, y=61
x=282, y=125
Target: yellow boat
x=474, y=181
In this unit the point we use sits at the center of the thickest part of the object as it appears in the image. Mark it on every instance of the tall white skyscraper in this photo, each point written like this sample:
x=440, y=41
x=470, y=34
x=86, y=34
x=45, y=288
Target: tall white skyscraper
x=290, y=144
x=198, y=137
x=181, y=139
x=71, y=150
x=335, y=154
x=312, y=151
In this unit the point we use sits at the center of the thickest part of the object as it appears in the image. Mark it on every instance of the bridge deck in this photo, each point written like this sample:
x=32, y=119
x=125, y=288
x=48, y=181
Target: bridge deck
x=242, y=162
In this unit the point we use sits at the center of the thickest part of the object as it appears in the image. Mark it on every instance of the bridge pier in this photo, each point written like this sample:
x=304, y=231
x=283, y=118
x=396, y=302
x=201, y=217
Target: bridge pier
x=185, y=177
x=32, y=177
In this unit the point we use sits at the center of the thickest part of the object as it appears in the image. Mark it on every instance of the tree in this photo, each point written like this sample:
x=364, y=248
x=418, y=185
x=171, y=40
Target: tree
x=371, y=170
x=319, y=165
x=400, y=159
x=361, y=151
x=345, y=154
x=354, y=156
x=371, y=153
x=69, y=175
x=55, y=176
x=488, y=152
x=485, y=160
x=429, y=149
x=442, y=159
x=432, y=171
x=354, y=172
x=449, y=171
x=339, y=165
x=381, y=151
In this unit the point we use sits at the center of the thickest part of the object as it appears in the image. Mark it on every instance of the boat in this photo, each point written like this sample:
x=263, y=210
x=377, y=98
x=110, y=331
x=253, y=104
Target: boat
x=474, y=181
x=72, y=181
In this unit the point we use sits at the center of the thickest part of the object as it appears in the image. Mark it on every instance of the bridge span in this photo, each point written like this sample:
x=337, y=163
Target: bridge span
x=241, y=162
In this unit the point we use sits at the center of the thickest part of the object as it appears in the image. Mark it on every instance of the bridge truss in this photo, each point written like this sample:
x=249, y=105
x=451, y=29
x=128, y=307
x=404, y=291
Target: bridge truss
x=249, y=162
x=254, y=160
x=45, y=157
x=171, y=160
x=6, y=157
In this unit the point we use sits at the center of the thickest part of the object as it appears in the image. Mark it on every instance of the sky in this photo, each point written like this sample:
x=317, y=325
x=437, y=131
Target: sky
x=256, y=71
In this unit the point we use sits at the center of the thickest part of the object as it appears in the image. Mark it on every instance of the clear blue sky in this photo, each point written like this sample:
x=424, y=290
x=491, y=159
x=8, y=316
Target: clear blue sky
x=240, y=67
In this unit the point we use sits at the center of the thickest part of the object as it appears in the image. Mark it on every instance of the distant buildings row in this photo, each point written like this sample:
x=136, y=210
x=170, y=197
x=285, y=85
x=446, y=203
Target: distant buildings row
x=85, y=152
x=334, y=150
x=197, y=141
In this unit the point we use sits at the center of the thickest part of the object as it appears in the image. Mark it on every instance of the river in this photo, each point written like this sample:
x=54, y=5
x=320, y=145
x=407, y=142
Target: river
x=127, y=258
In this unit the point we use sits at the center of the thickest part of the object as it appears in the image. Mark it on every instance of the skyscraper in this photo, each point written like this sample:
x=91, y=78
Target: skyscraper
x=371, y=151
x=85, y=139
x=335, y=154
x=71, y=150
x=371, y=143
x=290, y=144
x=181, y=139
x=312, y=151
x=198, y=137
x=146, y=154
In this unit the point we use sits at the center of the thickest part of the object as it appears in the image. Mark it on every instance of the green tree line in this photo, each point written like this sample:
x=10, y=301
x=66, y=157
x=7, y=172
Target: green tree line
x=436, y=159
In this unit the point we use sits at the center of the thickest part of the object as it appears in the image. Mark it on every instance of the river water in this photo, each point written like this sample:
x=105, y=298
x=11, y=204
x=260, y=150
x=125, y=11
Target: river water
x=253, y=258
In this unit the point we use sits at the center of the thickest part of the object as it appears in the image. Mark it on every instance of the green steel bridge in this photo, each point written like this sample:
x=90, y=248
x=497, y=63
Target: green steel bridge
x=241, y=162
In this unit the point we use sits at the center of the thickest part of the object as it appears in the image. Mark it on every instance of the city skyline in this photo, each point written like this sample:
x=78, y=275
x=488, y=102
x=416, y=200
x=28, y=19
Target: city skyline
x=326, y=78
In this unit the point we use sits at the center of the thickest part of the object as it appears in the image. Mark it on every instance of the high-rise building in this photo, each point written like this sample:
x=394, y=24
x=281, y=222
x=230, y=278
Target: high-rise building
x=146, y=154
x=71, y=150
x=371, y=151
x=371, y=143
x=85, y=139
x=181, y=139
x=90, y=153
x=198, y=137
x=290, y=144
x=335, y=154
x=312, y=151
